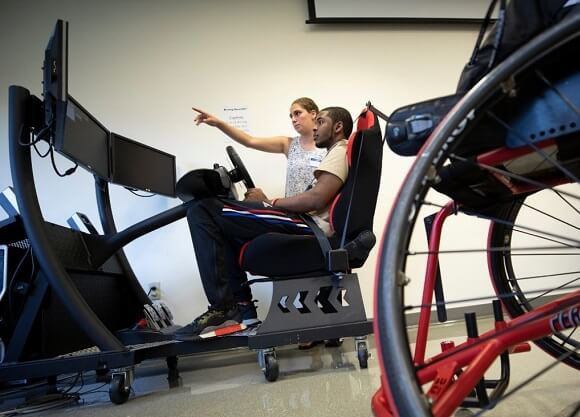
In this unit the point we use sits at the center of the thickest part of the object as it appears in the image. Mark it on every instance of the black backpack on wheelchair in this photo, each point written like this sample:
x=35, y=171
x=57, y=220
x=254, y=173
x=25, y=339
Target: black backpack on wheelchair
x=518, y=22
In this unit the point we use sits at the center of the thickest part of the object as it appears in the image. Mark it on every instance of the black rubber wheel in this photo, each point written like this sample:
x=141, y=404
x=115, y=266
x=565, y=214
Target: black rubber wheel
x=363, y=355
x=271, y=368
x=239, y=173
x=510, y=268
x=487, y=109
x=118, y=393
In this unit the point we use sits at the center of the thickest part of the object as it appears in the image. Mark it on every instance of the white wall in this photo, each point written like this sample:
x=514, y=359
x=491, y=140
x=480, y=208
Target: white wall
x=139, y=66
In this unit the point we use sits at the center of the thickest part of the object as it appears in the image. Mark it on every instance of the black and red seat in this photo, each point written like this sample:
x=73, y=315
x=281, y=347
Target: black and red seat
x=351, y=217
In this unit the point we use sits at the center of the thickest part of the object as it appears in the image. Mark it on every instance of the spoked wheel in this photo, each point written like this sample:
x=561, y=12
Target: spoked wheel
x=525, y=279
x=487, y=187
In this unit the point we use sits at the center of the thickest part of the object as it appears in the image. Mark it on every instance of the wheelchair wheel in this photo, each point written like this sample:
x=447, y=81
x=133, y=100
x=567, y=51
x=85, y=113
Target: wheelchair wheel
x=524, y=279
x=476, y=117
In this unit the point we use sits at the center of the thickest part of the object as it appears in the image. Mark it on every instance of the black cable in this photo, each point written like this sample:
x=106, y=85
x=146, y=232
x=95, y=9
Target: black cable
x=43, y=403
x=51, y=400
x=41, y=154
x=30, y=142
x=39, y=135
x=50, y=150
x=7, y=394
x=93, y=390
x=69, y=171
x=72, y=385
x=133, y=191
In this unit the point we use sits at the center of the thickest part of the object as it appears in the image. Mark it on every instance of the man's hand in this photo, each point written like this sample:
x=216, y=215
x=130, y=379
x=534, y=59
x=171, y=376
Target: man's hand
x=255, y=194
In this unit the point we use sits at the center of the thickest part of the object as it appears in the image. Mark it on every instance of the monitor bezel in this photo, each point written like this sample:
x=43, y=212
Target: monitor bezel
x=113, y=137
x=60, y=145
x=55, y=71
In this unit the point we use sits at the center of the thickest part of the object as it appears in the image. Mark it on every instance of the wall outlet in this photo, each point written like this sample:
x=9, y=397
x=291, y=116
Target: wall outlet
x=154, y=290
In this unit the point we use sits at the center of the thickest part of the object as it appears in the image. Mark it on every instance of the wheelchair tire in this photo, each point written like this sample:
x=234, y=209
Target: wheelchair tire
x=512, y=286
x=415, y=198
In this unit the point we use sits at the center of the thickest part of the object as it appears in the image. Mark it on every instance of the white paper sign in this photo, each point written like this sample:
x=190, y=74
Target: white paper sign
x=237, y=116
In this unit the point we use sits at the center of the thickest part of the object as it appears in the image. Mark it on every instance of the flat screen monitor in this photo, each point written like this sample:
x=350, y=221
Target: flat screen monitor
x=82, y=138
x=76, y=134
x=55, y=68
x=142, y=167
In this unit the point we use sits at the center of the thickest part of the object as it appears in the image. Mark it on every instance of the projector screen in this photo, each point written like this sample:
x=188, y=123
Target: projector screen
x=345, y=11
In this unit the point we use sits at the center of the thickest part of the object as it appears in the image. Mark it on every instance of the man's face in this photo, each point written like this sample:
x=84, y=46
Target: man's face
x=323, y=130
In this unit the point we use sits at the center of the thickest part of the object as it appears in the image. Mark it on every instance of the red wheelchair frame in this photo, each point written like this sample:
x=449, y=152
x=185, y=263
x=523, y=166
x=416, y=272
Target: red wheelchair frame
x=457, y=370
x=456, y=375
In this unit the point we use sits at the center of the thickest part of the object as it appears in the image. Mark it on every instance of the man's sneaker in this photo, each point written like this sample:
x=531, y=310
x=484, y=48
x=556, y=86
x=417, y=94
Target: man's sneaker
x=213, y=319
x=248, y=313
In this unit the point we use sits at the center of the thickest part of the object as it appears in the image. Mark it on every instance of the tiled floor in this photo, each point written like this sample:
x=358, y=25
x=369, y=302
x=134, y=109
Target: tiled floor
x=319, y=382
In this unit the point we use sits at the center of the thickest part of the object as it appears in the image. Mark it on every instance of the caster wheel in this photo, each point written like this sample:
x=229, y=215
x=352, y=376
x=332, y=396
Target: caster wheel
x=118, y=391
x=271, y=368
x=363, y=355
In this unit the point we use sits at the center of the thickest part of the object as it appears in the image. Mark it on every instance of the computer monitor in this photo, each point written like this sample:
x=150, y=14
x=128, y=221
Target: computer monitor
x=82, y=138
x=74, y=132
x=139, y=166
x=55, y=68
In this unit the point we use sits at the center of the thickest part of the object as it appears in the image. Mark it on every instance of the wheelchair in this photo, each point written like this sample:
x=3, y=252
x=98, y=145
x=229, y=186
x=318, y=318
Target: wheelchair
x=508, y=156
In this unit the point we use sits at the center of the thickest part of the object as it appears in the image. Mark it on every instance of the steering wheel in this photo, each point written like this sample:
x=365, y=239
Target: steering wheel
x=239, y=173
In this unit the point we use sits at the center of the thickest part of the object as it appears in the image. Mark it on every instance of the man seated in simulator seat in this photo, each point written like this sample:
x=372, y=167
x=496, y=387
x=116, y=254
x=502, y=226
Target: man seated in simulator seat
x=220, y=227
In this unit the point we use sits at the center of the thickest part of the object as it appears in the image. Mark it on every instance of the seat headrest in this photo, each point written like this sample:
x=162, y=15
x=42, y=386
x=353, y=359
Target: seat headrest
x=366, y=120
